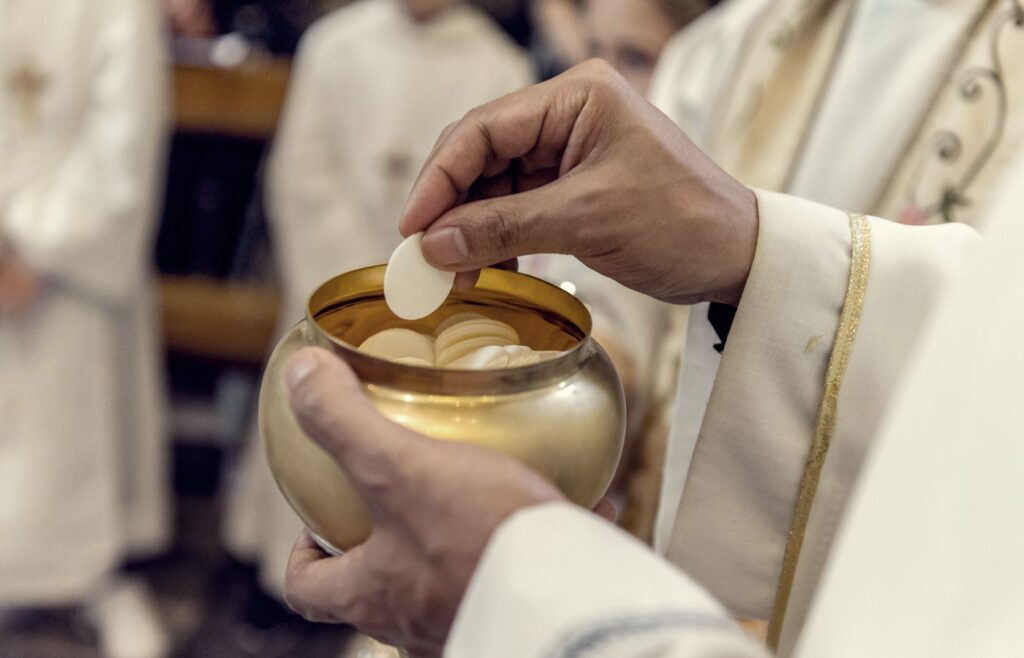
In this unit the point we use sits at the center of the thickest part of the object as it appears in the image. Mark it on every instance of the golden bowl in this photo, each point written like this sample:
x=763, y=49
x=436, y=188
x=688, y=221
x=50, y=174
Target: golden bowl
x=564, y=417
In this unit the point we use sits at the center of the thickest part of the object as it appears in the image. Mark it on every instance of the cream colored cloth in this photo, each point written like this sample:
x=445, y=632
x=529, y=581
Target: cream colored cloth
x=846, y=102
x=371, y=92
x=733, y=522
x=928, y=560
x=82, y=455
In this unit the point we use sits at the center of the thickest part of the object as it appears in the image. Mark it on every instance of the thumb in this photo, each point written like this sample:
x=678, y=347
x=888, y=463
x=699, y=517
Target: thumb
x=332, y=409
x=483, y=233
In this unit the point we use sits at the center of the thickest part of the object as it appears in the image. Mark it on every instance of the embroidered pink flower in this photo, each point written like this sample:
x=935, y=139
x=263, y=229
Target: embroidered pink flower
x=914, y=215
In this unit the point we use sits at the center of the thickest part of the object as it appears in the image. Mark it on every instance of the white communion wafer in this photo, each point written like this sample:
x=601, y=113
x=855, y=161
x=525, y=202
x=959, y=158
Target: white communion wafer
x=394, y=344
x=413, y=288
x=464, y=347
x=490, y=357
x=520, y=355
x=477, y=328
x=455, y=319
x=465, y=341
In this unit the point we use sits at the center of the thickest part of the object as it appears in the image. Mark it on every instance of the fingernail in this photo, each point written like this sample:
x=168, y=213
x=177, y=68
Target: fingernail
x=298, y=369
x=446, y=246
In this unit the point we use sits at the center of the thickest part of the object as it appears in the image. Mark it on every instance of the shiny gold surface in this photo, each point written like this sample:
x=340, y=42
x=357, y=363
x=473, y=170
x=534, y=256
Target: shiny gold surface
x=564, y=417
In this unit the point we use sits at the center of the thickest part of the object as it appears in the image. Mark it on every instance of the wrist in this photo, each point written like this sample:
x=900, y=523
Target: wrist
x=739, y=221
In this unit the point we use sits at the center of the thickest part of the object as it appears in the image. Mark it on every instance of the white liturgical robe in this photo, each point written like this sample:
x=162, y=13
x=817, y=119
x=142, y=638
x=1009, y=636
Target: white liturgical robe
x=370, y=93
x=927, y=557
x=83, y=91
x=911, y=110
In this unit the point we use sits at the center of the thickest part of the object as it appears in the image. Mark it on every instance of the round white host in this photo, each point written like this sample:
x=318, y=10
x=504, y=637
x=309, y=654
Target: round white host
x=413, y=288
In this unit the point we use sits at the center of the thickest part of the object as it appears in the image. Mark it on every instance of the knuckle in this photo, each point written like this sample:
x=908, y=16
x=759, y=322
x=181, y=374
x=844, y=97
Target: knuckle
x=310, y=610
x=376, y=478
x=297, y=601
x=599, y=67
x=501, y=230
x=602, y=76
x=474, y=114
x=308, y=401
x=599, y=70
x=312, y=402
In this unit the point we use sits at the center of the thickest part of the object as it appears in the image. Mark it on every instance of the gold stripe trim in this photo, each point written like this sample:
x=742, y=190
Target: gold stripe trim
x=849, y=321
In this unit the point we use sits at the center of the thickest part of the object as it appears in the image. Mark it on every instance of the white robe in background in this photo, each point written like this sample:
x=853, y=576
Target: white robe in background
x=371, y=91
x=878, y=106
x=926, y=562
x=83, y=474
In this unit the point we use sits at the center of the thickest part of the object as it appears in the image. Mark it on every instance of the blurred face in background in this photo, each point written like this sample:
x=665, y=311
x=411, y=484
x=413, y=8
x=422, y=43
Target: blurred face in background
x=630, y=34
x=424, y=10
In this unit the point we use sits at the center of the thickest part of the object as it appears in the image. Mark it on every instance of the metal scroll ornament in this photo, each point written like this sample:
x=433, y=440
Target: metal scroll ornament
x=947, y=147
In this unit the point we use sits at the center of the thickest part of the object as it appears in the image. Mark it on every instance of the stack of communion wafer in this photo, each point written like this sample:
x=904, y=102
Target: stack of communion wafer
x=465, y=341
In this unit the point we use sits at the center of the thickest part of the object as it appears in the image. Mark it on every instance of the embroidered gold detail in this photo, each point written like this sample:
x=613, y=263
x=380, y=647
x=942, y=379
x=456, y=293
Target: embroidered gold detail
x=946, y=157
x=771, y=35
x=849, y=321
x=27, y=84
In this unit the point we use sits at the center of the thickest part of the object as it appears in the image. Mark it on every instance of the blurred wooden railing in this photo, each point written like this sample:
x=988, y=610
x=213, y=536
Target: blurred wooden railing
x=216, y=320
x=244, y=101
x=211, y=318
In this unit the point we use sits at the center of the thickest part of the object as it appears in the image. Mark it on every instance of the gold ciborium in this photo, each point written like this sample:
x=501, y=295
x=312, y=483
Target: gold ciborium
x=564, y=417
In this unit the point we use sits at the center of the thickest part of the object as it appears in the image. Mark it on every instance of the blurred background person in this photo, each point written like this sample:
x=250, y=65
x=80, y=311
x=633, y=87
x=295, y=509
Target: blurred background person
x=373, y=85
x=560, y=36
x=83, y=92
x=631, y=35
x=275, y=25
x=190, y=18
x=628, y=35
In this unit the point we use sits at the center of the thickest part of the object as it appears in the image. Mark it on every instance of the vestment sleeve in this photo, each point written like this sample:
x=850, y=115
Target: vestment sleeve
x=794, y=379
x=557, y=582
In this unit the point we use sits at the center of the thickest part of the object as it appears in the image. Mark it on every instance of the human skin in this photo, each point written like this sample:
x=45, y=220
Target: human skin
x=19, y=286
x=580, y=165
x=583, y=165
x=628, y=35
x=424, y=10
x=191, y=18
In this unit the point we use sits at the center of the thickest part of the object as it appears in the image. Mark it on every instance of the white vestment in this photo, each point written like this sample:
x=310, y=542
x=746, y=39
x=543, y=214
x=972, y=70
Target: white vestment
x=910, y=110
x=927, y=557
x=83, y=122
x=371, y=91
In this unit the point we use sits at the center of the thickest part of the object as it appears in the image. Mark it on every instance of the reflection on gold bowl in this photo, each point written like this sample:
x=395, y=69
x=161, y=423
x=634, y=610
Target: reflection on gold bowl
x=564, y=417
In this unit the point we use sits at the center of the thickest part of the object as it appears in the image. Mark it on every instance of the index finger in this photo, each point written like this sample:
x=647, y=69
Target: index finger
x=320, y=587
x=536, y=118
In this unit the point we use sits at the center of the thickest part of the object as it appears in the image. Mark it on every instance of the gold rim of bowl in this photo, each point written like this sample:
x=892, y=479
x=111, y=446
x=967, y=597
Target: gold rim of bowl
x=355, y=292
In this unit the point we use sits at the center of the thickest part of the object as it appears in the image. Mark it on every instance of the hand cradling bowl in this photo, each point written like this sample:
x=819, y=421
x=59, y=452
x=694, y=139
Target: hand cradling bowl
x=563, y=416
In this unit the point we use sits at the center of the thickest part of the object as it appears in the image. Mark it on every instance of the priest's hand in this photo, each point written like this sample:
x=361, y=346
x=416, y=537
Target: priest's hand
x=583, y=165
x=19, y=285
x=434, y=505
